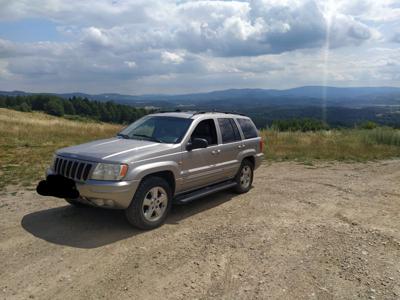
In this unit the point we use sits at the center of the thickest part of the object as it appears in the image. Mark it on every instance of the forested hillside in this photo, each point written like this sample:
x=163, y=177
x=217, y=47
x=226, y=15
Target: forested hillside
x=57, y=106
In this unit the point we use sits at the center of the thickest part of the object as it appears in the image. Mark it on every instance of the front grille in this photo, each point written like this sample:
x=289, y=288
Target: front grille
x=73, y=169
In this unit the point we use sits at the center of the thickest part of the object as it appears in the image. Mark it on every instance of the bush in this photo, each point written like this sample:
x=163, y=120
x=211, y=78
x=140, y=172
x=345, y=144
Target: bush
x=24, y=107
x=368, y=125
x=299, y=125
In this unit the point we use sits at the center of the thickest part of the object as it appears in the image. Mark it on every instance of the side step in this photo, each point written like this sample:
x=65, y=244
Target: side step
x=190, y=196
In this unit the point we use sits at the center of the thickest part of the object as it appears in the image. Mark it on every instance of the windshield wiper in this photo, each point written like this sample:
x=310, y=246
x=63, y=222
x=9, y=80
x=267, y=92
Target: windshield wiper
x=148, y=137
x=125, y=136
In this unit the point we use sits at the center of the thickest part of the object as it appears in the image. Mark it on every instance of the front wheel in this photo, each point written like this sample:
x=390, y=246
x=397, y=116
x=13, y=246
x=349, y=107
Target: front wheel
x=151, y=204
x=244, y=177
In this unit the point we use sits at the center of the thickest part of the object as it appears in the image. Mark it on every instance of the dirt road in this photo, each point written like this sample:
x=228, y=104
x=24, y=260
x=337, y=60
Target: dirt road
x=330, y=231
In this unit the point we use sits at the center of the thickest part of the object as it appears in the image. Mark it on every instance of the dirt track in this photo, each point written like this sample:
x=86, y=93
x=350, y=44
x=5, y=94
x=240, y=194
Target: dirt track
x=330, y=231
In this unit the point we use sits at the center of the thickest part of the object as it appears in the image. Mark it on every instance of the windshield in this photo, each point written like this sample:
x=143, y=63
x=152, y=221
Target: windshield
x=158, y=129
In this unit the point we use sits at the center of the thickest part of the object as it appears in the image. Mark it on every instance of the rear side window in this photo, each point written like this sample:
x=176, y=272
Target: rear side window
x=229, y=130
x=248, y=129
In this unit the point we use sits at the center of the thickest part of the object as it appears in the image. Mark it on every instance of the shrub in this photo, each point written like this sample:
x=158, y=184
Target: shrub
x=368, y=125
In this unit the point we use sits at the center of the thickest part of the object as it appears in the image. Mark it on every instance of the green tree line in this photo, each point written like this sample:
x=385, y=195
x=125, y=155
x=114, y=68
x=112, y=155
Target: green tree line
x=57, y=106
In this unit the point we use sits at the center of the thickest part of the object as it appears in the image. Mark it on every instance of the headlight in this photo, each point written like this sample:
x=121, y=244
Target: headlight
x=109, y=172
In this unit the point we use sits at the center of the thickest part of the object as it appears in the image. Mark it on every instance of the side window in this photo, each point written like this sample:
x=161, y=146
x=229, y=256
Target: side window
x=206, y=130
x=235, y=130
x=248, y=129
x=229, y=130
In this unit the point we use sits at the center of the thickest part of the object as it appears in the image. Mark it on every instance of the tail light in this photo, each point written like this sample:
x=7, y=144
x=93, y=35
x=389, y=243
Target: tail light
x=261, y=145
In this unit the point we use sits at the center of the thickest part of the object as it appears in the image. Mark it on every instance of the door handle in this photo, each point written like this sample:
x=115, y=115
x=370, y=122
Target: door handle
x=214, y=152
x=241, y=146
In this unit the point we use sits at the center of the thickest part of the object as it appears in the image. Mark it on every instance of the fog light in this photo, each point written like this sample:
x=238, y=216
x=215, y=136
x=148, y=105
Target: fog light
x=98, y=202
x=110, y=203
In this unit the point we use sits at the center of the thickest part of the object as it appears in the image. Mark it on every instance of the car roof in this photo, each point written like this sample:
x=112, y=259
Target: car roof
x=198, y=114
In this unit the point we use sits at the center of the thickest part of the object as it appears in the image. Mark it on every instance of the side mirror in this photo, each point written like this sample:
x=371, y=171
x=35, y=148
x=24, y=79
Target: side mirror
x=196, y=144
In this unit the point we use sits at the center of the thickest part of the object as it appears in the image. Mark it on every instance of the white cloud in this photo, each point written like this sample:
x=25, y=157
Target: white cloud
x=130, y=64
x=95, y=37
x=171, y=58
x=264, y=43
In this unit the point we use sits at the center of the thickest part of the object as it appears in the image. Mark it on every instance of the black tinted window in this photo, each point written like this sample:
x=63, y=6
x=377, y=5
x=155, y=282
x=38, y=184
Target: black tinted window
x=248, y=129
x=229, y=130
x=206, y=130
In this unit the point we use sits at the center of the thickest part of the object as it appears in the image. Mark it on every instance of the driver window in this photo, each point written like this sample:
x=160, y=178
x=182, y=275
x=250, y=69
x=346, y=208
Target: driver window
x=206, y=130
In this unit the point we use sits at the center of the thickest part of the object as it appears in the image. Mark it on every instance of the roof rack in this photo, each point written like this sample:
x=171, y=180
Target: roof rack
x=200, y=112
x=218, y=112
x=167, y=111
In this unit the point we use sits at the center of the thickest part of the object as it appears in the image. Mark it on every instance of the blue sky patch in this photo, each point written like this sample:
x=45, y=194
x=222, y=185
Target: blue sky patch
x=30, y=30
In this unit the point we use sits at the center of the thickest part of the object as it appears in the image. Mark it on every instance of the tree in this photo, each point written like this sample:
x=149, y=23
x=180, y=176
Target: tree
x=68, y=108
x=54, y=107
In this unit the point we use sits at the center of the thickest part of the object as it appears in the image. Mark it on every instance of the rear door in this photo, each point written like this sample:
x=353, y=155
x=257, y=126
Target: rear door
x=250, y=134
x=230, y=147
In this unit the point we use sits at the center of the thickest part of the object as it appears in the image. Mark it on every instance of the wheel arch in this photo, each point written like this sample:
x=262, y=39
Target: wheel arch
x=167, y=175
x=166, y=170
x=250, y=158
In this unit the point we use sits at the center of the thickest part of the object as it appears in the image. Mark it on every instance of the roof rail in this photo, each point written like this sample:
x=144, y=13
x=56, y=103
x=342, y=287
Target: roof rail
x=169, y=111
x=200, y=112
x=218, y=112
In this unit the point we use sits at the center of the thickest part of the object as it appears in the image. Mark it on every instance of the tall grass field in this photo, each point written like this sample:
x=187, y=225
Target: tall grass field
x=28, y=141
x=343, y=145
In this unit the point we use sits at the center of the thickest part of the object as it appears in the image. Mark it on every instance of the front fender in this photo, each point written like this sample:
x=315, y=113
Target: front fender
x=146, y=169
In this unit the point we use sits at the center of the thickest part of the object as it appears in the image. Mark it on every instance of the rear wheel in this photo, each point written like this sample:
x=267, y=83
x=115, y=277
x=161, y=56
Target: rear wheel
x=151, y=203
x=244, y=177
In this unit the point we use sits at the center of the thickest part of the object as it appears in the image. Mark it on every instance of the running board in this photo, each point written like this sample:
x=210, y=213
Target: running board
x=190, y=196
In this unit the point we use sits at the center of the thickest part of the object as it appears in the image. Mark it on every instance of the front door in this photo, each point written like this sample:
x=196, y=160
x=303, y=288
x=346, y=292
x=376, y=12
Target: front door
x=199, y=165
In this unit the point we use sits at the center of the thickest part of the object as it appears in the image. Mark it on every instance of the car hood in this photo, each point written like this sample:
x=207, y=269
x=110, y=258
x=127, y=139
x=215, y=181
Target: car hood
x=113, y=149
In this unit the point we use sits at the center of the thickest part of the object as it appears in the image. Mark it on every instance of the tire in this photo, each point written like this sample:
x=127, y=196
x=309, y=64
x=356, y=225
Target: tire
x=244, y=177
x=150, y=204
x=77, y=203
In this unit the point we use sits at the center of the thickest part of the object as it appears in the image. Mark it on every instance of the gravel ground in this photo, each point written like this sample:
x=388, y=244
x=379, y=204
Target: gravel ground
x=329, y=231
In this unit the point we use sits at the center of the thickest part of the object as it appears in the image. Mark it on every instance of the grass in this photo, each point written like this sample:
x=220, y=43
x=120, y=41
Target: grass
x=28, y=140
x=342, y=145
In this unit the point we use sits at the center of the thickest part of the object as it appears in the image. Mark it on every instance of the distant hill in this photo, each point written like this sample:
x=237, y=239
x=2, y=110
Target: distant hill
x=300, y=96
x=336, y=106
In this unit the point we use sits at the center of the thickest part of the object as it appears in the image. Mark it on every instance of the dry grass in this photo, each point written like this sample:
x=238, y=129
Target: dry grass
x=347, y=144
x=28, y=140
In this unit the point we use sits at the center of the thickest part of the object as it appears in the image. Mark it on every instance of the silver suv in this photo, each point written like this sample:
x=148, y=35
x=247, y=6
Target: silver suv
x=159, y=159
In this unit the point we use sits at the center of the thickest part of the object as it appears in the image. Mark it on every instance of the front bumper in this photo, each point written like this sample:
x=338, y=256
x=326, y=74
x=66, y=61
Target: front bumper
x=110, y=194
x=113, y=194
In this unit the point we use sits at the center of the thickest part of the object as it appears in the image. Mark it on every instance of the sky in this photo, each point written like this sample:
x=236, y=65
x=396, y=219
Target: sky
x=172, y=47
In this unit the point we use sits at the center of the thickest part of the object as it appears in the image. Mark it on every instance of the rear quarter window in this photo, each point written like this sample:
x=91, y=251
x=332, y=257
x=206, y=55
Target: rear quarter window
x=248, y=128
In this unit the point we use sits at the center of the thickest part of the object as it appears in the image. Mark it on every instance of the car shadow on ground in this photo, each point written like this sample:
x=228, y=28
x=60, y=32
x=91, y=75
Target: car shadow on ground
x=90, y=227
